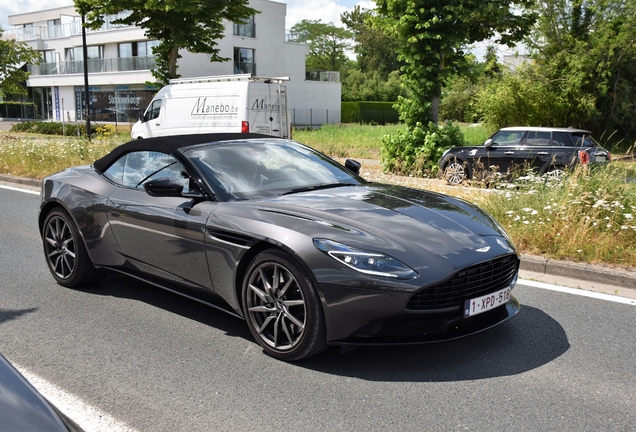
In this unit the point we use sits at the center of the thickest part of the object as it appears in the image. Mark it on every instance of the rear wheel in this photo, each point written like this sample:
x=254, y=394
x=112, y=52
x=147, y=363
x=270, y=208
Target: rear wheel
x=555, y=173
x=64, y=250
x=455, y=172
x=282, y=307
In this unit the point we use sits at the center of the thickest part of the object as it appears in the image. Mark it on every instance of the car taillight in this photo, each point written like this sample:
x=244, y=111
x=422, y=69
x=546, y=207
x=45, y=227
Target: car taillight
x=245, y=127
x=584, y=157
x=609, y=157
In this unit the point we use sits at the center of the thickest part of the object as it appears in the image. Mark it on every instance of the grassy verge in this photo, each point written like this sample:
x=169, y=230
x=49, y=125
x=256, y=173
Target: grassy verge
x=37, y=157
x=363, y=141
x=589, y=216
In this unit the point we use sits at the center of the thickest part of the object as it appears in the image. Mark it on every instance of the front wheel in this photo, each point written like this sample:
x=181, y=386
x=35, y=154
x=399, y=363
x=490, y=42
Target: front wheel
x=455, y=172
x=282, y=307
x=64, y=250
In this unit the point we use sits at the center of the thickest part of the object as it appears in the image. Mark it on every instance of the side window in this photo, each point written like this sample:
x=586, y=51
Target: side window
x=582, y=140
x=134, y=169
x=561, y=139
x=115, y=172
x=535, y=138
x=154, y=109
x=508, y=138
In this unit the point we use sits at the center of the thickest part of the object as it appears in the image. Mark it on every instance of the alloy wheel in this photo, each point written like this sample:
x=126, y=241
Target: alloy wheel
x=455, y=173
x=276, y=306
x=59, y=247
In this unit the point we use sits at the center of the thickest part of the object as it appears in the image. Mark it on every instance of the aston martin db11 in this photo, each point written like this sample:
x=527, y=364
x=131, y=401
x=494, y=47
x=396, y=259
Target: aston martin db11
x=272, y=231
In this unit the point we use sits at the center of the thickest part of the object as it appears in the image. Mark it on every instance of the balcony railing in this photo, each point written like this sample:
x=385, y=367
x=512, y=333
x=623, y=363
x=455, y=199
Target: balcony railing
x=59, y=31
x=118, y=64
x=325, y=76
x=296, y=37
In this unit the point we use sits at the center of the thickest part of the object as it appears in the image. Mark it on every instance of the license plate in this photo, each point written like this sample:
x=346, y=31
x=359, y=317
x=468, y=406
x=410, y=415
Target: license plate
x=600, y=158
x=485, y=303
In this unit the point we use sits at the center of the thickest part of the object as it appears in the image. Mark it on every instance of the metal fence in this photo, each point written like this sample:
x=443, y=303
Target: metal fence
x=310, y=117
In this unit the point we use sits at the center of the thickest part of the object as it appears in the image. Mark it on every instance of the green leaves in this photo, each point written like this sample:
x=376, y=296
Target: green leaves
x=327, y=44
x=13, y=55
x=416, y=151
x=433, y=36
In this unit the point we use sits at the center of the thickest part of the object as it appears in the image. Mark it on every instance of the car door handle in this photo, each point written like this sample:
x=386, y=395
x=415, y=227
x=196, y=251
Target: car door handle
x=157, y=124
x=509, y=153
x=543, y=153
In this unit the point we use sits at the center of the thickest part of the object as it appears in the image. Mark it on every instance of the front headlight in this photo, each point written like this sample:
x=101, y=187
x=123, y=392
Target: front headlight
x=368, y=262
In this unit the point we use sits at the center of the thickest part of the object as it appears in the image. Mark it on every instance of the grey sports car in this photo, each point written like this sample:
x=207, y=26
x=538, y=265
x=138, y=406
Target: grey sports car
x=272, y=231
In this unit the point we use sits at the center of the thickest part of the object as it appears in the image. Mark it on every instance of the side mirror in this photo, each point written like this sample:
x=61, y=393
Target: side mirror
x=164, y=187
x=142, y=117
x=489, y=142
x=353, y=165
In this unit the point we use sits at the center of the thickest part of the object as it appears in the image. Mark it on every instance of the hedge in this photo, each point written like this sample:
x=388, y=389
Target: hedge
x=369, y=112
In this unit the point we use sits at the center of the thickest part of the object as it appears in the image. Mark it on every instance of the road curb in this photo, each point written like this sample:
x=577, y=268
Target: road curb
x=20, y=180
x=588, y=272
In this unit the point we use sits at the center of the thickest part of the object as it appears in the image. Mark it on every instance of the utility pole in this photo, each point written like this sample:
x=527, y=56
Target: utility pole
x=88, y=98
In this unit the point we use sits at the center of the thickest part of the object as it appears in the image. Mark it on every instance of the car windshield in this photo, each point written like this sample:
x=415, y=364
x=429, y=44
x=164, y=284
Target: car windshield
x=264, y=168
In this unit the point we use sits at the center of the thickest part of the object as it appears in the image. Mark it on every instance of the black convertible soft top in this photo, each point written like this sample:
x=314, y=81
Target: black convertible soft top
x=169, y=144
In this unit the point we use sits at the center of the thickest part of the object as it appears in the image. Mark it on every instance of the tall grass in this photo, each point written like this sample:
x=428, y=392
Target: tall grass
x=588, y=216
x=363, y=141
x=39, y=157
x=347, y=140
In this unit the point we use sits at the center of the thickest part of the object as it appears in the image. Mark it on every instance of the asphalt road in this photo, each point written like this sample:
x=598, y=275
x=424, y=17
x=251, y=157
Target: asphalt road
x=159, y=362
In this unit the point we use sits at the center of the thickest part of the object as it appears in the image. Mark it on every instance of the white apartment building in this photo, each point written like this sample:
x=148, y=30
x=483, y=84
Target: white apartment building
x=119, y=60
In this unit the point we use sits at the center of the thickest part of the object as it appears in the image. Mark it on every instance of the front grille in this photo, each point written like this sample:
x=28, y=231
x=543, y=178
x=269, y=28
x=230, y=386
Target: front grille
x=467, y=283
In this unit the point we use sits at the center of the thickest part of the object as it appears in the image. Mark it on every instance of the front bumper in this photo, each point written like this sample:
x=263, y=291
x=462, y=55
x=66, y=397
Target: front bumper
x=365, y=317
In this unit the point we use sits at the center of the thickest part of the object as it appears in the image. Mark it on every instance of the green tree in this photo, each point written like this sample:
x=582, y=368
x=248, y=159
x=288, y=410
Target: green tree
x=433, y=35
x=13, y=55
x=327, y=44
x=370, y=86
x=581, y=73
x=375, y=50
x=177, y=24
x=585, y=51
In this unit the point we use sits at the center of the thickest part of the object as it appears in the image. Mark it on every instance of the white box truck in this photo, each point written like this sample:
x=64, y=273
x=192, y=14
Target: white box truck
x=228, y=103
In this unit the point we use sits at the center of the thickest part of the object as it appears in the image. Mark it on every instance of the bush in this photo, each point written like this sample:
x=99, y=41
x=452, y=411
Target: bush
x=369, y=112
x=417, y=151
x=49, y=128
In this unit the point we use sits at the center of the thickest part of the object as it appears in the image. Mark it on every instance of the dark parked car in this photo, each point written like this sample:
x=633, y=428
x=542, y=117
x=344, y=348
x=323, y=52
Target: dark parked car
x=23, y=408
x=269, y=230
x=514, y=149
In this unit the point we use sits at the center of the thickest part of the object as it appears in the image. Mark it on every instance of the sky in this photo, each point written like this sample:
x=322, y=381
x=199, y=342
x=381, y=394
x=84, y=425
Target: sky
x=297, y=10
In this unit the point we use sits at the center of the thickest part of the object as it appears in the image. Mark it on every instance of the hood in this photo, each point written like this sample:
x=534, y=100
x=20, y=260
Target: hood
x=397, y=220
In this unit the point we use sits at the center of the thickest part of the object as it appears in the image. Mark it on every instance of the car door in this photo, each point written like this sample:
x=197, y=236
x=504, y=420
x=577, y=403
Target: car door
x=159, y=236
x=500, y=155
x=534, y=152
x=151, y=123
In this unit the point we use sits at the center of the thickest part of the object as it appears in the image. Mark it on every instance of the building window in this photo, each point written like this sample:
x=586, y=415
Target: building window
x=137, y=49
x=136, y=55
x=246, y=28
x=74, y=57
x=244, y=61
x=48, y=65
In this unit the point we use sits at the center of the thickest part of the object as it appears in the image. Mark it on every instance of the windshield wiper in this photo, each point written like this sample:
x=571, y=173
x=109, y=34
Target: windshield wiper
x=316, y=187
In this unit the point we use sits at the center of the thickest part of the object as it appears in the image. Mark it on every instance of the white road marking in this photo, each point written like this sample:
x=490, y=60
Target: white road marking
x=86, y=416
x=579, y=292
x=20, y=189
